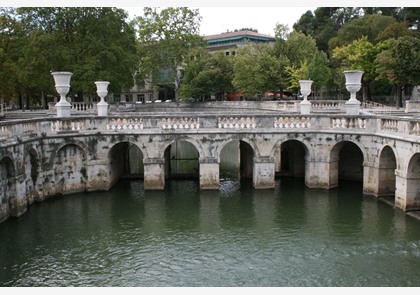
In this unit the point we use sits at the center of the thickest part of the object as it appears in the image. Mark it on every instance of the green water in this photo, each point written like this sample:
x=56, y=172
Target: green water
x=237, y=236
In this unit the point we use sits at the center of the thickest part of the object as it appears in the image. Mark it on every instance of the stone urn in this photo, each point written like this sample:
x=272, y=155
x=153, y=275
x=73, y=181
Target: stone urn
x=353, y=84
x=305, y=90
x=102, y=91
x=62, y=85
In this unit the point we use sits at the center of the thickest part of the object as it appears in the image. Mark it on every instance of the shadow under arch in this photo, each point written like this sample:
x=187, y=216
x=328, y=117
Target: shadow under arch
x=125, y=160
x=346, y=163
x=7, y=187
x=182, y=160
x=386, y=175
x=290, y=159
x=236, y=159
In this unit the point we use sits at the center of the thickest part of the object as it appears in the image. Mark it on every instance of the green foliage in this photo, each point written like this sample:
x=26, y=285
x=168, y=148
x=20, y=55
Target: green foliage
x=165, y=37
x=258, y=70
x=93, y=43
x=399, y=62
x=211, y=74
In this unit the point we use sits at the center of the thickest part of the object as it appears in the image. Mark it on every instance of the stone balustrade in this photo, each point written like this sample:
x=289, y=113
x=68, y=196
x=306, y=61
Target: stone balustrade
x=236, y=123
x=82, y=106
x=60, y=126
x=269, y=122
x=347, y=123
x=389, y=125
x=180, y=123
x=292, y=122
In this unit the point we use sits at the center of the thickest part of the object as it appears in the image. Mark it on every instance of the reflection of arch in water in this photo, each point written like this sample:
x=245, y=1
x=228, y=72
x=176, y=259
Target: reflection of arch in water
x=236, y=159
x=182, y=160
x=346, y=162
x=125, y=161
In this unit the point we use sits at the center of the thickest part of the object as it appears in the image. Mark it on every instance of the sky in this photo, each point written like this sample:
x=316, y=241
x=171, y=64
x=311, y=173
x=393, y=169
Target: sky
x=219, y=16
x=216, y=20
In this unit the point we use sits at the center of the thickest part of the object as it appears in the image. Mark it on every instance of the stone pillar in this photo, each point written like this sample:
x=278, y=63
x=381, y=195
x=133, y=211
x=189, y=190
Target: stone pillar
x=407, y=192
x=263, y=176
x=18, y=204
x=209, y=174
x=98, y=176
x=371, y=181
x=318, y=174
x=154, y=174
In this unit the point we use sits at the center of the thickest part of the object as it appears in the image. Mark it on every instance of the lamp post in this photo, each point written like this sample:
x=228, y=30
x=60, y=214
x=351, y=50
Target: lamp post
x=353, y=84
x=102, y=91
x=305, y=90
x=62, y=85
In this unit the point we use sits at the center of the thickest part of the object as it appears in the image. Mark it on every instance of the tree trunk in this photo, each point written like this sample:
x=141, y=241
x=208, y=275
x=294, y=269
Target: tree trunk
x=399, y=96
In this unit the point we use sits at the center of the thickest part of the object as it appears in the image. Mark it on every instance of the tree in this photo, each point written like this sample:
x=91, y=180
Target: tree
x=211, y=74
x=94, y=43
x=370, y=26
x=257, y=69
x=305, y=60
x=165, y=37
x=399, y=63
x=359, y=55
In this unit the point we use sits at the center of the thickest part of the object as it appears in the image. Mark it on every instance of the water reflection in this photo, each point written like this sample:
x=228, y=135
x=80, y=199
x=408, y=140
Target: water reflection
x=237, y=236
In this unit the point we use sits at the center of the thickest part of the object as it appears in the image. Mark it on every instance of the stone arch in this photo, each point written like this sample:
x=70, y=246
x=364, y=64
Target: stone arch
x=299, y=156
x=32, y=170
x=125, y=158
x=386, y=176
x=242, y=154
x=7, y=187
x=182, y=159
x=408, y=198
x=191, y=141
x=70, y=169
x=346, y=162
x=59, y=146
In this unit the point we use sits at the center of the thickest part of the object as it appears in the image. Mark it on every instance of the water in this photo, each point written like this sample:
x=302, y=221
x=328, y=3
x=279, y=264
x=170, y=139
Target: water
x=238, y=236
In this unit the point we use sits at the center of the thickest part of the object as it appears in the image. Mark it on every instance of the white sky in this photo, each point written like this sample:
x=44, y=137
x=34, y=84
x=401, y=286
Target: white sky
x=218, y=16
x=216, y=20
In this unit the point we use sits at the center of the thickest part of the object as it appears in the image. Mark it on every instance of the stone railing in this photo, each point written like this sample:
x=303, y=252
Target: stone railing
x=389, y=125
x=326, y=105
x=236, y=123
x=12, y=131
x=82, y=106
x=180, y=123
x=347, y=123
x=125, y=124
x=292, y=122
x=60, y=126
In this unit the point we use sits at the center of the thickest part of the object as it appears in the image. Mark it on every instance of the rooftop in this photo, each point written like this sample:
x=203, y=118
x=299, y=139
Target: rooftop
x=238, y=34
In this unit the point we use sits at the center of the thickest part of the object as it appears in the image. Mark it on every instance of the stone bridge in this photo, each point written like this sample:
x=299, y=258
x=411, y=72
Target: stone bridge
x=48, y=156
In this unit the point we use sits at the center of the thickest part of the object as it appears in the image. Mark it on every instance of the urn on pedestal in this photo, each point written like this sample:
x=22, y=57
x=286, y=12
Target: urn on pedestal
x=305, y=90
x=102, y=91
x=62, y=85
x=353, y=84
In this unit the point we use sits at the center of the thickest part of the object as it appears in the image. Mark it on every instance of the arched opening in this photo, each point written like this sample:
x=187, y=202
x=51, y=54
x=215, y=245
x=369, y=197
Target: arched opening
x=346, y=163
x=236, y=161
x=387, y=166
x=7, y=187
x=125, y=161
x=413, y=183
x=32, y=176
x=182, y=161
x=290, y=159
x=70, y=170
